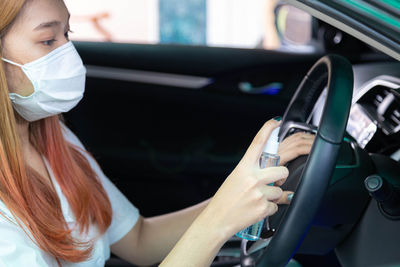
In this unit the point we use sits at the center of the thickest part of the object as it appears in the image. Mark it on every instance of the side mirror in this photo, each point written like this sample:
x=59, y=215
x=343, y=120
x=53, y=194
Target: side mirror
x=294, y=26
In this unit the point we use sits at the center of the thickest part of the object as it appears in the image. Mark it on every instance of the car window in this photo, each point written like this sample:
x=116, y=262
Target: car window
x=222, y=23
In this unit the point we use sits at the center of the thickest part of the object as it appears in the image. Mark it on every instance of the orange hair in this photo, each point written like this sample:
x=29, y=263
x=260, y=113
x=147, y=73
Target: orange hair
x=33, y=201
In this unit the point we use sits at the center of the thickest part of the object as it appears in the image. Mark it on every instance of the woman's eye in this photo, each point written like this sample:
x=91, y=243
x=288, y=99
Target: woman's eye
x=49, y=42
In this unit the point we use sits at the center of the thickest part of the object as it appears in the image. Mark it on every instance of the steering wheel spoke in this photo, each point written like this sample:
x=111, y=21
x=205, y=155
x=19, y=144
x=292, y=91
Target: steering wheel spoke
x=291, y=127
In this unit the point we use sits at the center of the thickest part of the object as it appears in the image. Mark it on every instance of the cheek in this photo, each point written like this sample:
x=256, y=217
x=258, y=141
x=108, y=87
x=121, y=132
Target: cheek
x=17, y=81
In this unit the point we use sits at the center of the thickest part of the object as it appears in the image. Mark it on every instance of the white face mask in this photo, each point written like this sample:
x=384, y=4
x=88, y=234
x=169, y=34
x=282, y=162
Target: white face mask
x=58, y=80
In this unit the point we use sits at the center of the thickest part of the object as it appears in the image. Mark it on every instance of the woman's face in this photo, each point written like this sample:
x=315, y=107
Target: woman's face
x=41, y=26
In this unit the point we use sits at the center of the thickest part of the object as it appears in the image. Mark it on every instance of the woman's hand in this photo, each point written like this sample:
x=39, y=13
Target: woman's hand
x=295, y=145
x=245, y=197
x=292, y=147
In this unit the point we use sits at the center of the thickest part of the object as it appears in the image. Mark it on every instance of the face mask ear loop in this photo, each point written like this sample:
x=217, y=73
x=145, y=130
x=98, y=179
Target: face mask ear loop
x=11, y=62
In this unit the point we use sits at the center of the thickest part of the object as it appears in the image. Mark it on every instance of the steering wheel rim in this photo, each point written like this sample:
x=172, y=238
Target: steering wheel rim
x=337, y=73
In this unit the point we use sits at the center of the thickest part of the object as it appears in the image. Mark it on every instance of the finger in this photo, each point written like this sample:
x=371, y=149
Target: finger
x=302, y=134
x=296, y=139
x=293, y=143
x=272, y=193
x=309, y=136
x=272, y=208
x=280, y=182
x=293, y=153
x=257, y=145
x=272, y=174
x=284, y=198
x=295, y=147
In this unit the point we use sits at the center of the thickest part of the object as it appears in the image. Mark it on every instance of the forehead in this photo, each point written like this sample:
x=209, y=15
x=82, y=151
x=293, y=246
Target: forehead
x=36, y=12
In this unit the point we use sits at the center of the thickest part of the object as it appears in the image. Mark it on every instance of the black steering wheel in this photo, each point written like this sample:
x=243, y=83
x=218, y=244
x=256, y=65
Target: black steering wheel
x=334, y=73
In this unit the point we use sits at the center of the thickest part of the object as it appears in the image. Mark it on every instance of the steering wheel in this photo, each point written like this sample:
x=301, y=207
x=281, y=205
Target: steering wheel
x=334, y=73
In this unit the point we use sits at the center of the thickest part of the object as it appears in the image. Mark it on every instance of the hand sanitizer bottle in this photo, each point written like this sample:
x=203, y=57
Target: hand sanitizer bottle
x=269, y=158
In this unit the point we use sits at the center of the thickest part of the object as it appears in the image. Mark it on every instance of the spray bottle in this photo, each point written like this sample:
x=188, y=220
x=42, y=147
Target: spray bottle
x=269, y=158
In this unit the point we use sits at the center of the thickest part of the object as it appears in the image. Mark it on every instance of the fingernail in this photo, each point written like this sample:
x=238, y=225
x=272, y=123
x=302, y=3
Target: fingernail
x=290, y=197
x=278, y=118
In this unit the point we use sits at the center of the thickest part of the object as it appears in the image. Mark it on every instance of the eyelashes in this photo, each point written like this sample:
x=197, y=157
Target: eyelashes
x=52, y=41
x=49, y=42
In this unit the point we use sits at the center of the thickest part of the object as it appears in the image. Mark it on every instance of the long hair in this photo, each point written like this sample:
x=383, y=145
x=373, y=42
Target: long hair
x=29, y=197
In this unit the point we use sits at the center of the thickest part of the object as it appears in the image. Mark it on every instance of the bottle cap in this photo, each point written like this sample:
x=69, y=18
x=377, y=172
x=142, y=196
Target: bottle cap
x=272, y=145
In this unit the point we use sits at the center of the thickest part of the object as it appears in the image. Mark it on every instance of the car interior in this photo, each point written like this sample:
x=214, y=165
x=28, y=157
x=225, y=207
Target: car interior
x=168, y=123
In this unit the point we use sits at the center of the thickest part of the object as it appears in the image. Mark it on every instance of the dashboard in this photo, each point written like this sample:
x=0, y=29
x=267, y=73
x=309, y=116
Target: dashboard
x=370, y=238
x=374, y=120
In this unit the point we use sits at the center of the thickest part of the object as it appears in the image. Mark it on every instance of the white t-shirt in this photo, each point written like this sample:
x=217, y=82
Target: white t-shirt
x=17, y=249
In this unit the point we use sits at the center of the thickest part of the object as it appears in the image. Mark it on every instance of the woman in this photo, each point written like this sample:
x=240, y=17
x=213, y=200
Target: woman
x=56, y=205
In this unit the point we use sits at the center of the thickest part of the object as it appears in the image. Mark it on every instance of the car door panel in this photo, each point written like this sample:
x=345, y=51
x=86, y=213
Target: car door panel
x=167, y=143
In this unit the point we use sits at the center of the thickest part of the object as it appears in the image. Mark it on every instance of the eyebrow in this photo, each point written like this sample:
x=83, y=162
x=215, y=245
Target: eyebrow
x=49, y=24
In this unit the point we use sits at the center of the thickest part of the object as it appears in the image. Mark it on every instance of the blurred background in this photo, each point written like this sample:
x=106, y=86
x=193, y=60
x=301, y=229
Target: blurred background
x=222, y=23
